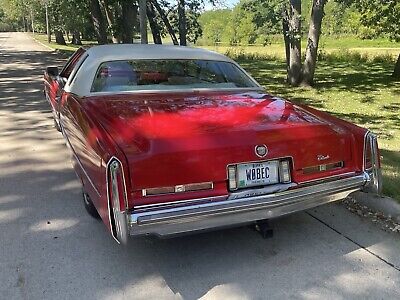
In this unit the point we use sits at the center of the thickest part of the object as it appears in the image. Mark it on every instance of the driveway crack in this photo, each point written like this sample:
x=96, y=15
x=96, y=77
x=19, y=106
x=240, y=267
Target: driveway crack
x=355, y=242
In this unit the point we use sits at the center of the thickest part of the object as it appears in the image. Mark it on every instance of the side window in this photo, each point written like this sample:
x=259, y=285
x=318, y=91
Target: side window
x=70, y=65
x=77, y=67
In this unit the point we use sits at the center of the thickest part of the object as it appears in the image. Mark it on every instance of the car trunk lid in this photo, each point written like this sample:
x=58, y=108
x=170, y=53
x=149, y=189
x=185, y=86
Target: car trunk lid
x=171, y=140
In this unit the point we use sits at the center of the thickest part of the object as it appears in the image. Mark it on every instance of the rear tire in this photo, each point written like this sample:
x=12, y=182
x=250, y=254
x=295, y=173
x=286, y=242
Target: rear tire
x=90, y=208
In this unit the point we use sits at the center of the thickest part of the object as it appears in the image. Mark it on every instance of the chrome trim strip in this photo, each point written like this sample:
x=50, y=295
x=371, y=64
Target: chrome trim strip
x=198, y=90
x=108, y=202
x=216, y=214
x=264, y=191
x=375, y=172
x=144, y=191
x=179, y=202
x=241, y=202
x=77, y=159
x=329, y=178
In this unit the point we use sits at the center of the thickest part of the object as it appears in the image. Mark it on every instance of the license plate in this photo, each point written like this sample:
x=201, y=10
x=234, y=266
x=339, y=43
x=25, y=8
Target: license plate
x=257, y=174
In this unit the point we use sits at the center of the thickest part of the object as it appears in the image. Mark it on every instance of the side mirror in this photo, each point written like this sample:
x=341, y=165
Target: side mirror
x=52, y=71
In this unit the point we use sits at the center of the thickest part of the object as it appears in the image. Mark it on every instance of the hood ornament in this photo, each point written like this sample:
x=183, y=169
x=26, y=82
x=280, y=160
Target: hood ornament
x=322, y=157
x=261, y=150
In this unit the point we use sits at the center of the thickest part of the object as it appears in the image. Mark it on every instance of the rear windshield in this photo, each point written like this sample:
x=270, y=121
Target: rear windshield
x=168, y=75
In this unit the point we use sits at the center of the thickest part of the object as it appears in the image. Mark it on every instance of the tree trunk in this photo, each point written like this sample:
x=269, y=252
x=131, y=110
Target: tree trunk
x=285, y=29
x=294, y=75
x=143, y=21
x=128, y=21
x=47, y=24
x=166, y=22
x=314, y=32
x=98, y=21
x=23, y=22
x=396, y=72
x=59, y=37
x=155, y=30
x=110, y=21
x=182, y=22
x=76, y=38
x=32, y=23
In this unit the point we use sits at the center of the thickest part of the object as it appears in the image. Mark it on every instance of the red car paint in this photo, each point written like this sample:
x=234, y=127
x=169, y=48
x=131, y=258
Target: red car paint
x=168, y=139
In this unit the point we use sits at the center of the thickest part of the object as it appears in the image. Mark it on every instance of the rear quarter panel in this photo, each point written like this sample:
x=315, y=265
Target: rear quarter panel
x=91, y=148
x=357, y=131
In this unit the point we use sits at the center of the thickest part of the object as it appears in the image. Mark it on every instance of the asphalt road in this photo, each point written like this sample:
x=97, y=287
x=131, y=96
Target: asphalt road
x=51, y=249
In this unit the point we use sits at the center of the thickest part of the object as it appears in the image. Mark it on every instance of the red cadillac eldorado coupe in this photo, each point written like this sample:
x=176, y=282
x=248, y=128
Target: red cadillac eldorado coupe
x=168, y=140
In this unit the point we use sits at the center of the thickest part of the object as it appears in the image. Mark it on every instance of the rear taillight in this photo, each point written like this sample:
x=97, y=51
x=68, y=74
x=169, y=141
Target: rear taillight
x=371, y=152
x=372, y=164
x=368, y=153
x=117, y=201
x=232, y=177
x=284, y=171
x=116, y=186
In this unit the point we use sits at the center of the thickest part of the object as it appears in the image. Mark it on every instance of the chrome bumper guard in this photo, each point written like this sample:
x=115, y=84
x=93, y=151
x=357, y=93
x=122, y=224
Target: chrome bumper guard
x=227, y=211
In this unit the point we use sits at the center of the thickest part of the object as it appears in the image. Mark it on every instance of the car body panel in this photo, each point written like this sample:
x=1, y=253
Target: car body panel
x=165, y=136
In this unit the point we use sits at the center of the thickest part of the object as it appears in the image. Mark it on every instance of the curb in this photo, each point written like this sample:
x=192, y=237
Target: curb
x=40, y=43
x=386, y=205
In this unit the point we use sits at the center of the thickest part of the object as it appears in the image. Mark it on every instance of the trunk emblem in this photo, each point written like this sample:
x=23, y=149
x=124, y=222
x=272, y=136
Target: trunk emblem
x=261, y=150
x=322, y=157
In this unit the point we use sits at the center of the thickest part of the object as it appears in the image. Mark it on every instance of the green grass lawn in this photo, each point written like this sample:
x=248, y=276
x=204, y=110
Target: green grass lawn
x=353, y=82
x=69, y=48
x=328, y=45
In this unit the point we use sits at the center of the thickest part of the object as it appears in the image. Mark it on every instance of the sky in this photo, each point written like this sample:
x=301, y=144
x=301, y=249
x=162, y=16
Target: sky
x=224, y=4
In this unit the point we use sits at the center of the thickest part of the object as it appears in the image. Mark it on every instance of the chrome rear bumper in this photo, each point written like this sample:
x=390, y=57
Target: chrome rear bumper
x=215, y=212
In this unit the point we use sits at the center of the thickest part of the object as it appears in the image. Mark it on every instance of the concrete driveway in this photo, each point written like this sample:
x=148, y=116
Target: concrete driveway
x=51, y=249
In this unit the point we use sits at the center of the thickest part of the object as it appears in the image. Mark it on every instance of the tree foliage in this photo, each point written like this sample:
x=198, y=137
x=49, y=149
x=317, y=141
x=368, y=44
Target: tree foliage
x=383, y=16
x=91, y=19
x=247, y=23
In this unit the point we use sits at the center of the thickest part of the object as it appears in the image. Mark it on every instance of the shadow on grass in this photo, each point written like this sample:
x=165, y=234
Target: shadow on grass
x=391, y=171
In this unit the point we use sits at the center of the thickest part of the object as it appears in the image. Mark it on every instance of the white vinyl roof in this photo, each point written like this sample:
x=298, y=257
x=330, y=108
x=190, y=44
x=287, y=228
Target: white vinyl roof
x=81, y=79
x=138, y=51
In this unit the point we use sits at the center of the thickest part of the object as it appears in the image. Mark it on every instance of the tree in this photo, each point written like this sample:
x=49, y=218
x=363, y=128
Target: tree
x=128, y=20
x=292, y=37
x=143, y=21
x=266, y=17
x=317, y=13
x=98, y=21
x=154, y=23
x=166, y=22
x=383, y=16
x=182, y=22
x=291, y=23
